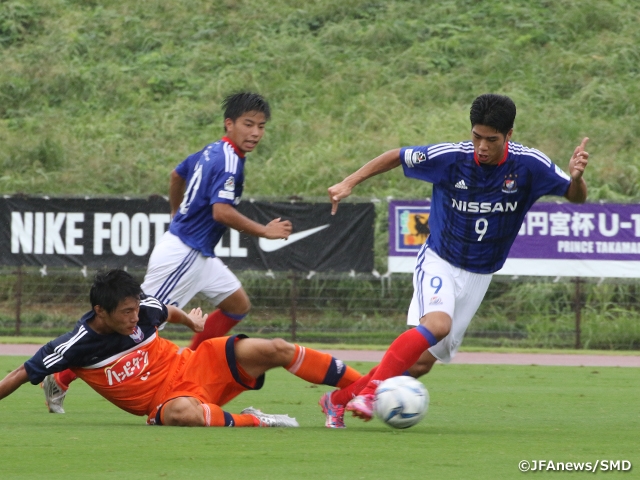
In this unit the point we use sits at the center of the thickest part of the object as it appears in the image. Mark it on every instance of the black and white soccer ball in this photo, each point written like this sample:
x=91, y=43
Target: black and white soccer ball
x=401, y=402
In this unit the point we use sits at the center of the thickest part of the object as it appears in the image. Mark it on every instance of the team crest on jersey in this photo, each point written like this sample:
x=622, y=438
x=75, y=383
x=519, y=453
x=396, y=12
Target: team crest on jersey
x=418, y=157
x=127, y=367
x=509, y=185
x=230, y=184
x=435, y=300
x=137, y=335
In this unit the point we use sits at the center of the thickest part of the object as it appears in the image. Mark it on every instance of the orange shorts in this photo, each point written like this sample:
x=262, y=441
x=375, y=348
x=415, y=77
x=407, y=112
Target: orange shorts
x=210, y=374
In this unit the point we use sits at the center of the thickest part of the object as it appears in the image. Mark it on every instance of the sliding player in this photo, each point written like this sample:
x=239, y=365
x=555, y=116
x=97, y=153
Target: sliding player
x=116, y=349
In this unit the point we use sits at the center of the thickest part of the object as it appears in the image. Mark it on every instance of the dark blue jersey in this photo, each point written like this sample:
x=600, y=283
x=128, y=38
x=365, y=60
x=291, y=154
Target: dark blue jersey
x=477, y=210
x=215, y=174
x=83, y=347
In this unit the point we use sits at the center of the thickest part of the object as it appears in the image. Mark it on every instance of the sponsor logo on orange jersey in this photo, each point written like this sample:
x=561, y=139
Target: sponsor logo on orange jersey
x=129, y=366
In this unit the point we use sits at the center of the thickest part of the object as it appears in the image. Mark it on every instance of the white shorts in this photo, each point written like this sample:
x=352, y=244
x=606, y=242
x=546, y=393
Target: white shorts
x=438, y=286
x=177, y=272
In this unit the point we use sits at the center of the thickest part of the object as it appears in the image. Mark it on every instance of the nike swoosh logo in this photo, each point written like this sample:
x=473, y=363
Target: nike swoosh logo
x=268, y=245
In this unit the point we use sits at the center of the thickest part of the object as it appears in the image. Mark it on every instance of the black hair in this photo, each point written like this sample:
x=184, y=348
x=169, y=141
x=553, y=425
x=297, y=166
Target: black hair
x=237, y=104
x=112, y=287
x=497, y=111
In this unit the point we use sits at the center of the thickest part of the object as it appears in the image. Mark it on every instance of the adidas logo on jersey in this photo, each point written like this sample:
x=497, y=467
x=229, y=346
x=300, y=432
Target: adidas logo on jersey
x=461, y=185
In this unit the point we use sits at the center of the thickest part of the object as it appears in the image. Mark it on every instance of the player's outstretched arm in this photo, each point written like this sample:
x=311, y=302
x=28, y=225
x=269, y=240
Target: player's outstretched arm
x=577, y=191
x=383, y=163
x=232, y=218
x=12, y=382
x=194, y=320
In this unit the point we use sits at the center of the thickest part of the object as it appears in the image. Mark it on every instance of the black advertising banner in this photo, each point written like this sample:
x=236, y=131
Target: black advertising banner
x=92, y=232
x=121, y=232
x=320, y=241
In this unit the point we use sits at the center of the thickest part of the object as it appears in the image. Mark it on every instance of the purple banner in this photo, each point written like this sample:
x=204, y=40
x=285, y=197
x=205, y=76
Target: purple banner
x=579, y=232
x=550, y=231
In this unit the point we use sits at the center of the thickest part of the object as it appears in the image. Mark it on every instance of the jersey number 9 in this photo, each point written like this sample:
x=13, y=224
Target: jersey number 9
x=481, y=227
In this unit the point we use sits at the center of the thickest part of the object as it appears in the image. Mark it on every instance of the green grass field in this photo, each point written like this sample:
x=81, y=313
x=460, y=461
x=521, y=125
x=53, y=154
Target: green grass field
x=482, y=421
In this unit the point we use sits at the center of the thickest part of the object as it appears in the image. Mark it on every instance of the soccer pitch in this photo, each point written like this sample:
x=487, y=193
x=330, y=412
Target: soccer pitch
x=482, y=421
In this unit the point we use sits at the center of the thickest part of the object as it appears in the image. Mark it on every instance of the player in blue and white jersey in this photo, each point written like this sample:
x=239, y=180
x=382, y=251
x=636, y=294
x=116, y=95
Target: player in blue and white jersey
x=482, y=190
x=204, y=191
x=203, y=194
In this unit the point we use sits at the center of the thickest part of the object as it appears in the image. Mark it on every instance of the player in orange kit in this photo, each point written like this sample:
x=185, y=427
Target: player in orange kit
x=116, y=349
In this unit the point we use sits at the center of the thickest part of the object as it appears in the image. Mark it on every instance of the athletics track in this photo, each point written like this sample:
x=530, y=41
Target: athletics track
x=487, y=358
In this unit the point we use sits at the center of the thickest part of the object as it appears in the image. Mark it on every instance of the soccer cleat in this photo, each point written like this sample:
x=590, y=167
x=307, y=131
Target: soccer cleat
x=53, y=394
x=361, y=406
x=271, y=420
x=334, y=413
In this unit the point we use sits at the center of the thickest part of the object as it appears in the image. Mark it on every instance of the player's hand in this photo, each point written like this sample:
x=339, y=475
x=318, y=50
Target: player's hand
x=277, y=229
x=197, y=319
x=579, y=160
x=337, y=193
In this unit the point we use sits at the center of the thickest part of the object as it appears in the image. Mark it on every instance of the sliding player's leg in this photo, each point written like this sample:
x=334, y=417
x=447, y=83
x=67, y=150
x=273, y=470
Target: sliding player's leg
x=190, y=412
x=257, y=355
x=206, y=380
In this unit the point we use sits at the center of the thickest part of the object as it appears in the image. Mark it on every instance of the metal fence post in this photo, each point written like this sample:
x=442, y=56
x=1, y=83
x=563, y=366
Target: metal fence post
x=578, y=309
x=19, y=274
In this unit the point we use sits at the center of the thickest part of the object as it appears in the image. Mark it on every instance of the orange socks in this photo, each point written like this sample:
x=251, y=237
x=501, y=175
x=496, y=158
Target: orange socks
x=321, y=368
x=214, y=416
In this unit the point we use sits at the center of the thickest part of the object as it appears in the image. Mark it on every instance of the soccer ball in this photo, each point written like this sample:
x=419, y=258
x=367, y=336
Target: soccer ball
x=401, y=402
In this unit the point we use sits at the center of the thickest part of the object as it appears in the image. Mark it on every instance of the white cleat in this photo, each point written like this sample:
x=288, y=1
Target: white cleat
x=271, y=420
x=53, y=394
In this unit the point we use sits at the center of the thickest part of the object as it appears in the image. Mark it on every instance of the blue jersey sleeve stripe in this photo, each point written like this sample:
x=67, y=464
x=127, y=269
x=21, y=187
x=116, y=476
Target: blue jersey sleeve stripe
x=52, y=359
x=151, y=302
x=230, y=159
x=531, y=152
x=444, y=148
x=59, y=351
x=63, y=347
x=542, y=157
